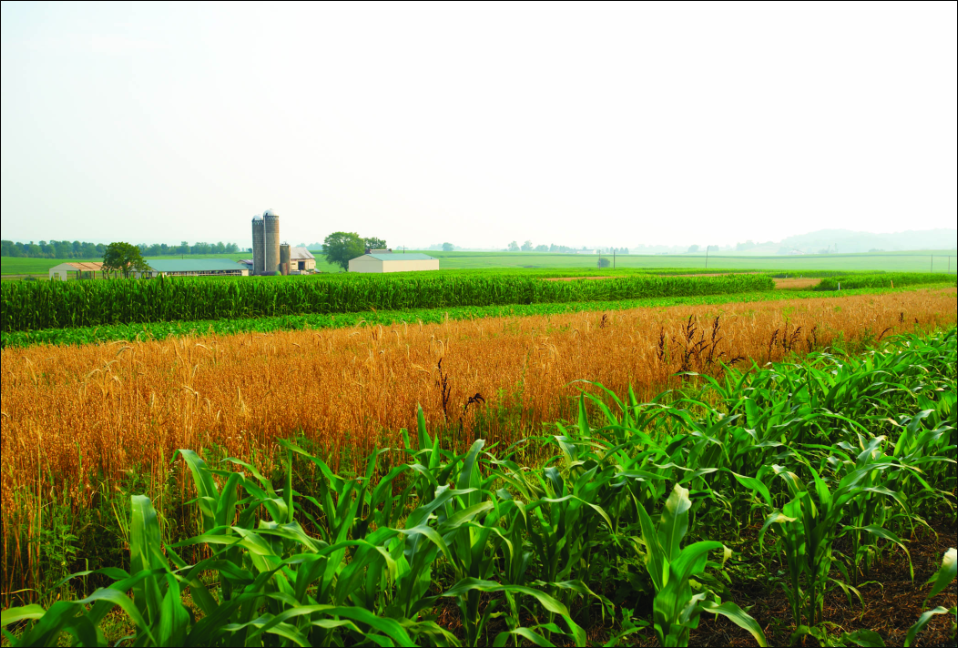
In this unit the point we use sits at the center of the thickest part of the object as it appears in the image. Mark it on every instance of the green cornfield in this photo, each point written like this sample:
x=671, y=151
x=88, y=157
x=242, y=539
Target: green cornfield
x=889, y=280
x=35, y=306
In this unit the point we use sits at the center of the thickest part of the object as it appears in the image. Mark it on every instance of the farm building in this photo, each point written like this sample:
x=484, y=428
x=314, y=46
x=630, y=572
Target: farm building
x=196, y=268
x=66, y=271
x=388, y=262
x=300, y=261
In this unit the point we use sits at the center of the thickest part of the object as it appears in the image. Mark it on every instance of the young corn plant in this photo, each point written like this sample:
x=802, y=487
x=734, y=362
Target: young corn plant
x=808, y=527
x=677, y=608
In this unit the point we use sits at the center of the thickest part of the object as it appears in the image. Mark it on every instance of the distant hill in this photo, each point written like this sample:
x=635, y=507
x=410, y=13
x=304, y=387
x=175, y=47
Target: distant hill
x=849, y=242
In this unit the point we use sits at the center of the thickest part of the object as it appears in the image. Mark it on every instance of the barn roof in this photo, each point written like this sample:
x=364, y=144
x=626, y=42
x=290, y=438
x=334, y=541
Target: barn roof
x=401, y=257
x=195, y=265
x=300, y=254
x=83, y=267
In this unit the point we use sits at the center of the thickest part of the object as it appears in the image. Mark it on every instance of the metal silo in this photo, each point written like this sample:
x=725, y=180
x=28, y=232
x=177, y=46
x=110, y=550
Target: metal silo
x=284, y=259
x=271, y=243
x=259, y=245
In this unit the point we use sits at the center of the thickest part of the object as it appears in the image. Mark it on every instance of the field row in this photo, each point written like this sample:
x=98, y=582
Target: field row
x=165, y=330
x=755, y=498
x=41, y=305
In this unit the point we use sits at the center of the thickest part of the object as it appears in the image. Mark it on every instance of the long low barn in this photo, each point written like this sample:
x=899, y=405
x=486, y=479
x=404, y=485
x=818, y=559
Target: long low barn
x=197, y=268
x=391, y=262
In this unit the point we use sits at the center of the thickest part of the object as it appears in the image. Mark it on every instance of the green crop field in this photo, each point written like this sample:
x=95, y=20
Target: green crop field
x=33, y=306
x=887, y=262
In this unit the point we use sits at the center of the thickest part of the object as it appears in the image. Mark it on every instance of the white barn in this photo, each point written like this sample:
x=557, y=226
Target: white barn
x=391, y=262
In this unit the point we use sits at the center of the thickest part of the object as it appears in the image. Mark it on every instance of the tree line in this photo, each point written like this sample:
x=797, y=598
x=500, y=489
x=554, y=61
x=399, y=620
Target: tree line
x=82, y=250
x=561, y=249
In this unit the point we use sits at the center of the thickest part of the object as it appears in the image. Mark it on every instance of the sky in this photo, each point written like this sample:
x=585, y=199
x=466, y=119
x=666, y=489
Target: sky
x=600, y=124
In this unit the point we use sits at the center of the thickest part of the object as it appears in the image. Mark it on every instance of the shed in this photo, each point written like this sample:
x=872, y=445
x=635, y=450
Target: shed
x=381, y=263
x=197, y=268
x=78, y=270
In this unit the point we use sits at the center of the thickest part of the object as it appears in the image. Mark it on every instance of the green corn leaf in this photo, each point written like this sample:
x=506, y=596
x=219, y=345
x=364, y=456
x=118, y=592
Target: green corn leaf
x=864, y=638
x=754, y=485
x=884, y=534
x=946, y=575
x=691, y=561
x=655, y=560
x=120, y=600
x=923, y=622
x=16, y=615
x=533, y=638
x=425, y=442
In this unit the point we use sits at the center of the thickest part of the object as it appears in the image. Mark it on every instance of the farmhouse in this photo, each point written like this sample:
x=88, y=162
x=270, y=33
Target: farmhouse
x=388, y=262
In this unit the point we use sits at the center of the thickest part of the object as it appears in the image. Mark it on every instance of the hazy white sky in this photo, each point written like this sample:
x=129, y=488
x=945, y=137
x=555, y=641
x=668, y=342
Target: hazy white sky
x=477, y=123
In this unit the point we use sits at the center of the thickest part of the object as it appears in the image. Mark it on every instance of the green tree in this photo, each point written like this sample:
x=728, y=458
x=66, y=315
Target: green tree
x=527, y=246
x=375, y=244
x=693, y=249
x=513, y=247
x=125, y=258
x=448, y=247
x=341, y=247
x=605, y=263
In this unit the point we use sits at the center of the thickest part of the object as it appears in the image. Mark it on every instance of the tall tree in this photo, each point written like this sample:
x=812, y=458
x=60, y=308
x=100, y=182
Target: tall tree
x=513, y=247
x=527, y=246
x=448, y=247
x=341, y=247
x=374, y=243
x=125, y=258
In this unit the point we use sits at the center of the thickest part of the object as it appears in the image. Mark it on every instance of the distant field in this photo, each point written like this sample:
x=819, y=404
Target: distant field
x=920, y=261
x=9, y=266
x=890, y=262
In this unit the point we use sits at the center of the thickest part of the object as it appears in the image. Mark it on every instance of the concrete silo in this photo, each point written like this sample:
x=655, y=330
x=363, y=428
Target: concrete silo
x=284, y=259
x=259, y=245
x=271, y=242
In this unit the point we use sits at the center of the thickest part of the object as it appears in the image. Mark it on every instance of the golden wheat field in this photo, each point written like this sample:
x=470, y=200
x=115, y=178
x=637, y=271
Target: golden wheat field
x=113, y=408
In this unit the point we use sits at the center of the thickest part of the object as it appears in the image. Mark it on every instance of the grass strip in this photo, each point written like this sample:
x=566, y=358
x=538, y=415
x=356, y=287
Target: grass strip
x=164, y=330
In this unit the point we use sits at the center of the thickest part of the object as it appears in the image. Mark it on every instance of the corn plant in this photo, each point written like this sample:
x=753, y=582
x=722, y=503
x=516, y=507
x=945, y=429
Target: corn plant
x=808, y=526
x=672, y=569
